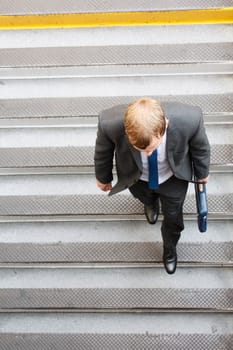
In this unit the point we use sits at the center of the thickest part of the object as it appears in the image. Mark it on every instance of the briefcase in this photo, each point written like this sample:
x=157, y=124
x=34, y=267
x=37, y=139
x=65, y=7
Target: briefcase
x=202, y=207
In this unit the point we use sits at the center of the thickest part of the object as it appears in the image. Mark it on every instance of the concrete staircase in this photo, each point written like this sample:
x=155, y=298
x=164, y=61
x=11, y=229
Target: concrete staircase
x=81, y=270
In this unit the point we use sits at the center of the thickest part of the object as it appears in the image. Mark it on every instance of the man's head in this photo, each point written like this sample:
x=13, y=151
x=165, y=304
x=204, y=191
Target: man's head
x=145, y=123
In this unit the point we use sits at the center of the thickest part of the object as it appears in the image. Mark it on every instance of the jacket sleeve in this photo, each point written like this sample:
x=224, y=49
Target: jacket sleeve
x=200, y=151
x=104, y=153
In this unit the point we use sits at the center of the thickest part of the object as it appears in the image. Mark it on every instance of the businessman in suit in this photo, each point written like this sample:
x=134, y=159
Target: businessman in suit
x=158, y=148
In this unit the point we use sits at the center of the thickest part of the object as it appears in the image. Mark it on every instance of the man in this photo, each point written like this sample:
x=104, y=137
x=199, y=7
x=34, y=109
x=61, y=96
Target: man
x=158, y=149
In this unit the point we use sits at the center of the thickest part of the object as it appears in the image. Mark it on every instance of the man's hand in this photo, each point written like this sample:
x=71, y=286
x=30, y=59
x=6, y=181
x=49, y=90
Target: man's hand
x=205, y=180
x=104, y=187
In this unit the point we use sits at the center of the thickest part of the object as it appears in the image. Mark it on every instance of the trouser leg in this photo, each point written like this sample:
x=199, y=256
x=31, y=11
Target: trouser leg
x=172, y=224
x=172, y=198
x=172, y=195
x=142, y=192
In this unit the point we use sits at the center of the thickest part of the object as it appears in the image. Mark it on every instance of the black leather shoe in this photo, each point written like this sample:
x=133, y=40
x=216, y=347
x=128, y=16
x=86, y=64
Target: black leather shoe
x=170, y=260
x=152, y=212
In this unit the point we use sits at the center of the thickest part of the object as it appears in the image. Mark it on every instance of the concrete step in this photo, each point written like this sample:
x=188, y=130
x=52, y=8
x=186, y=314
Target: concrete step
x=83, y=133
x=73, y=145
x=55, y=107
x=100, y=36
x=116, y=70
x=78, y=6
x=84, y=184
x=116, y=331
x=116, y=288
x=119, y=242
x=117, y=86
x=116, y=55
x=220, y=118
x=79, y=195
x=73, y=156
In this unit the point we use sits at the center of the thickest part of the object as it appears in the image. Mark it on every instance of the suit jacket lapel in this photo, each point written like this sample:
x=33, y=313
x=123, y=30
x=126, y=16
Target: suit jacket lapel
x=136, y=154
x=170, y=145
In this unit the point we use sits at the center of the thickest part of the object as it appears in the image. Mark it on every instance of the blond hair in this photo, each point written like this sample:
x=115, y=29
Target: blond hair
x=144, y=118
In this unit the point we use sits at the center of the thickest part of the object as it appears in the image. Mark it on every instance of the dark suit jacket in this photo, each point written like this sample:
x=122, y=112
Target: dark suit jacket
x=188, y=150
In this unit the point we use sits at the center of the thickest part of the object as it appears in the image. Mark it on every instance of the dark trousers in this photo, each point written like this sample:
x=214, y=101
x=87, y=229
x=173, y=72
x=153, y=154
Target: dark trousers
x=172, y=195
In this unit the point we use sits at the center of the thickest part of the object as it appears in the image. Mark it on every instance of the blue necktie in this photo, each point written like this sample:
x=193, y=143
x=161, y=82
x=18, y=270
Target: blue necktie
x=153, y=171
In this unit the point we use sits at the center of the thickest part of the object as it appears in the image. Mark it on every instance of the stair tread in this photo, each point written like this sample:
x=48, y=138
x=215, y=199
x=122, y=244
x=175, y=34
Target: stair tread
x=192, y=253
x=85, y=184
x=81, y=156
x=108, y=323
x=115, y=278
x=101, y=36
x=99, y=71
x=122, y=86
x=83, y=136
x=91, y=106
x=119, y=54
x=123, y=289
x=125, y=231
x=111, y=242
x=43, y=7
x=85, y=204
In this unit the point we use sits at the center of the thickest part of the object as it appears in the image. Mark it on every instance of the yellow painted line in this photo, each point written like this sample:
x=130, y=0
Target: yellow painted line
x=206, y=16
